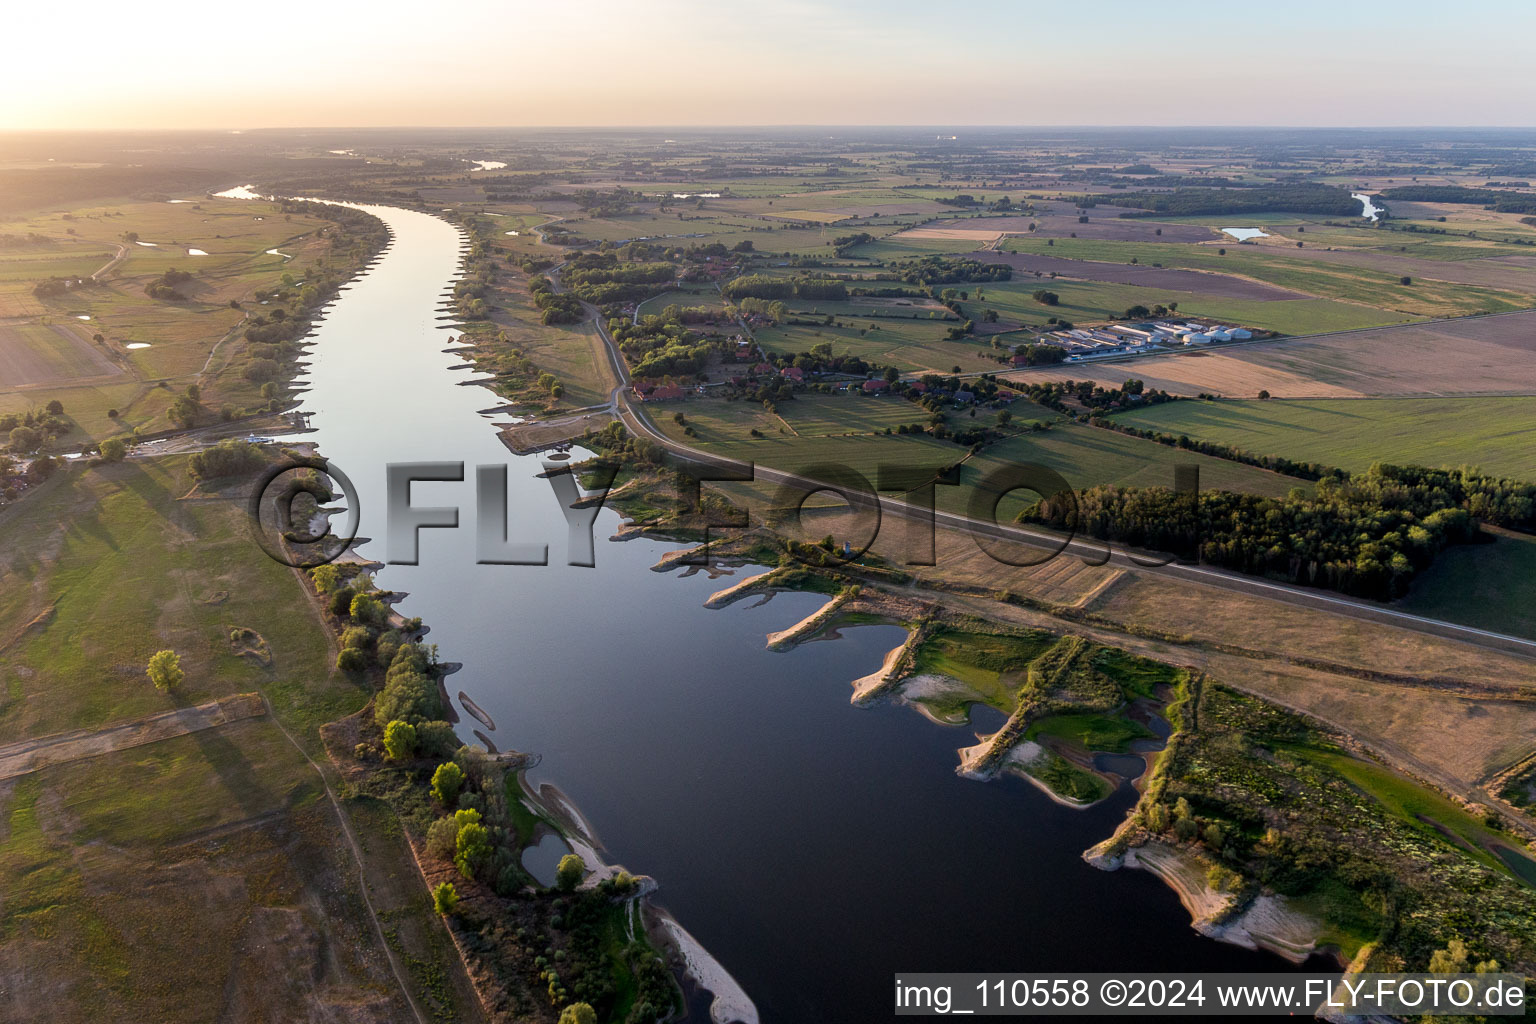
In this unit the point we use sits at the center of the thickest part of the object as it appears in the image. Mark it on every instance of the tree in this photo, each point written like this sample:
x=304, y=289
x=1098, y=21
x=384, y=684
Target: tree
x=327, y=577
x=446, y=783
x=25, y=439
x=568, y=873
x=578, y=1013
x=113, y=450
x=1004, y=417
x=1405, y=280
x=445, y=898
x=165, y=670
x=1264, y=395
x=366, y=608
x=400, y=740
x=474, y=846
x=56, y=407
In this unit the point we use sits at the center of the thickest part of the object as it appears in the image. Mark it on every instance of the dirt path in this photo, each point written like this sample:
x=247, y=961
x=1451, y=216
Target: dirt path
x=34, y=754
x=122, y=251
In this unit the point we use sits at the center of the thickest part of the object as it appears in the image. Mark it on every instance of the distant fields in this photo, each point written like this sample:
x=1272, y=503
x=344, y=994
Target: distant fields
x=41, y=362
x=1494, y=433
x=1088, y=301
x=1425, y=296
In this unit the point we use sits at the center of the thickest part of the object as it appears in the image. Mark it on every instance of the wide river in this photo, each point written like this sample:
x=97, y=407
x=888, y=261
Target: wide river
x=813, y=847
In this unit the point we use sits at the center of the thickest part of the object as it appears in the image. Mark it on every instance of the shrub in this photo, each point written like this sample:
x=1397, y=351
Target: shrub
x=341, y=601
x=113, y=450
x=400, y=740
x=579, y=1013
x=436, y=739
x=445, y=900
x=352, y=660
x=568, y=873
x=443, y=838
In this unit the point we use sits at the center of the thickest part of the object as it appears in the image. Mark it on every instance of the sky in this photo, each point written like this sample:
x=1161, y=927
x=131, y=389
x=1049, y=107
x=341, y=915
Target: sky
x=93, y=64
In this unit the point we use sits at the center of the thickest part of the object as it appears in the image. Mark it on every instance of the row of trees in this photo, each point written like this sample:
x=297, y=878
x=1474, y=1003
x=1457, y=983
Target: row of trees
x=1367, y=535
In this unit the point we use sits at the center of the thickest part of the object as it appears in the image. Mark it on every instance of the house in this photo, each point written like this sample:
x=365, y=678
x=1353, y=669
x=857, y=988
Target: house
x=1021, y=360
x=964, y=397
x=917, y=387
x=665, y=393
x=875, y=387
x=762, y=368
x=793, y=373
x=643, y=389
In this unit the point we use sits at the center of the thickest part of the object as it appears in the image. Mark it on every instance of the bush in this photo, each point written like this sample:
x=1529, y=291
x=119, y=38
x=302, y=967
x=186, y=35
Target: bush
x=568, y=874
x=113, y=450
x=341, y=601
x=436, y=739
x=352, y=660
x=446, y=783
x=445, y=899
x=443, y=838
x=579, y=1013
x=400, y=740
x=357, y=637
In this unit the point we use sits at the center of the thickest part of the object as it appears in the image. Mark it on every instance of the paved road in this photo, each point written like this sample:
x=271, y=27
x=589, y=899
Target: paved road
x=639, y=423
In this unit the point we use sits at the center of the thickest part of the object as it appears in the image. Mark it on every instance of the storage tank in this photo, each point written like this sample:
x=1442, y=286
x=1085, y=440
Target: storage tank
x=1241, y=334
x=1220, y=336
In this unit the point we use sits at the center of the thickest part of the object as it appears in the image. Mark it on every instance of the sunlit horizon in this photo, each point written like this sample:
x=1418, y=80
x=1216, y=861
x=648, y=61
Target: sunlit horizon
x=680, y=63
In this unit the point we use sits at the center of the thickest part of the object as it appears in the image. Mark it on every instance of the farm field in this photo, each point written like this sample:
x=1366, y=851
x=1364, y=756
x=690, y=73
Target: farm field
x=1477, y=356
x=42, y=354
x=1424, y=296
x=1493, y=433
x=1091, y=301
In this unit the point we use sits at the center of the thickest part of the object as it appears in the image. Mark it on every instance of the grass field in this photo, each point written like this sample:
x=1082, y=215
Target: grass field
x=912, y=346
x=1085, y=456
x=1490, y=586
x=200, y=877
x=1491, y=433
x=237, y=237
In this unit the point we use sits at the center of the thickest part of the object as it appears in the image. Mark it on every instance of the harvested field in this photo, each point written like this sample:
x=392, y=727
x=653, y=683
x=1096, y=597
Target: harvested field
x=1493, y=355
x=1189, y=374
x=1492, y=272
x=35, y=355
x=1220, y=285
x=1060, y=225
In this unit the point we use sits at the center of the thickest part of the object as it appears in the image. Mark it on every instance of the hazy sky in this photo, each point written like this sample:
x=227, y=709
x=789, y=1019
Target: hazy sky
x=177, y=64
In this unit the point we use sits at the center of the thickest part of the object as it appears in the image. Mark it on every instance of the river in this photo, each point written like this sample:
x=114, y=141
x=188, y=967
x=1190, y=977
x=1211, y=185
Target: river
x=1369, y=210
x=814, y=848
